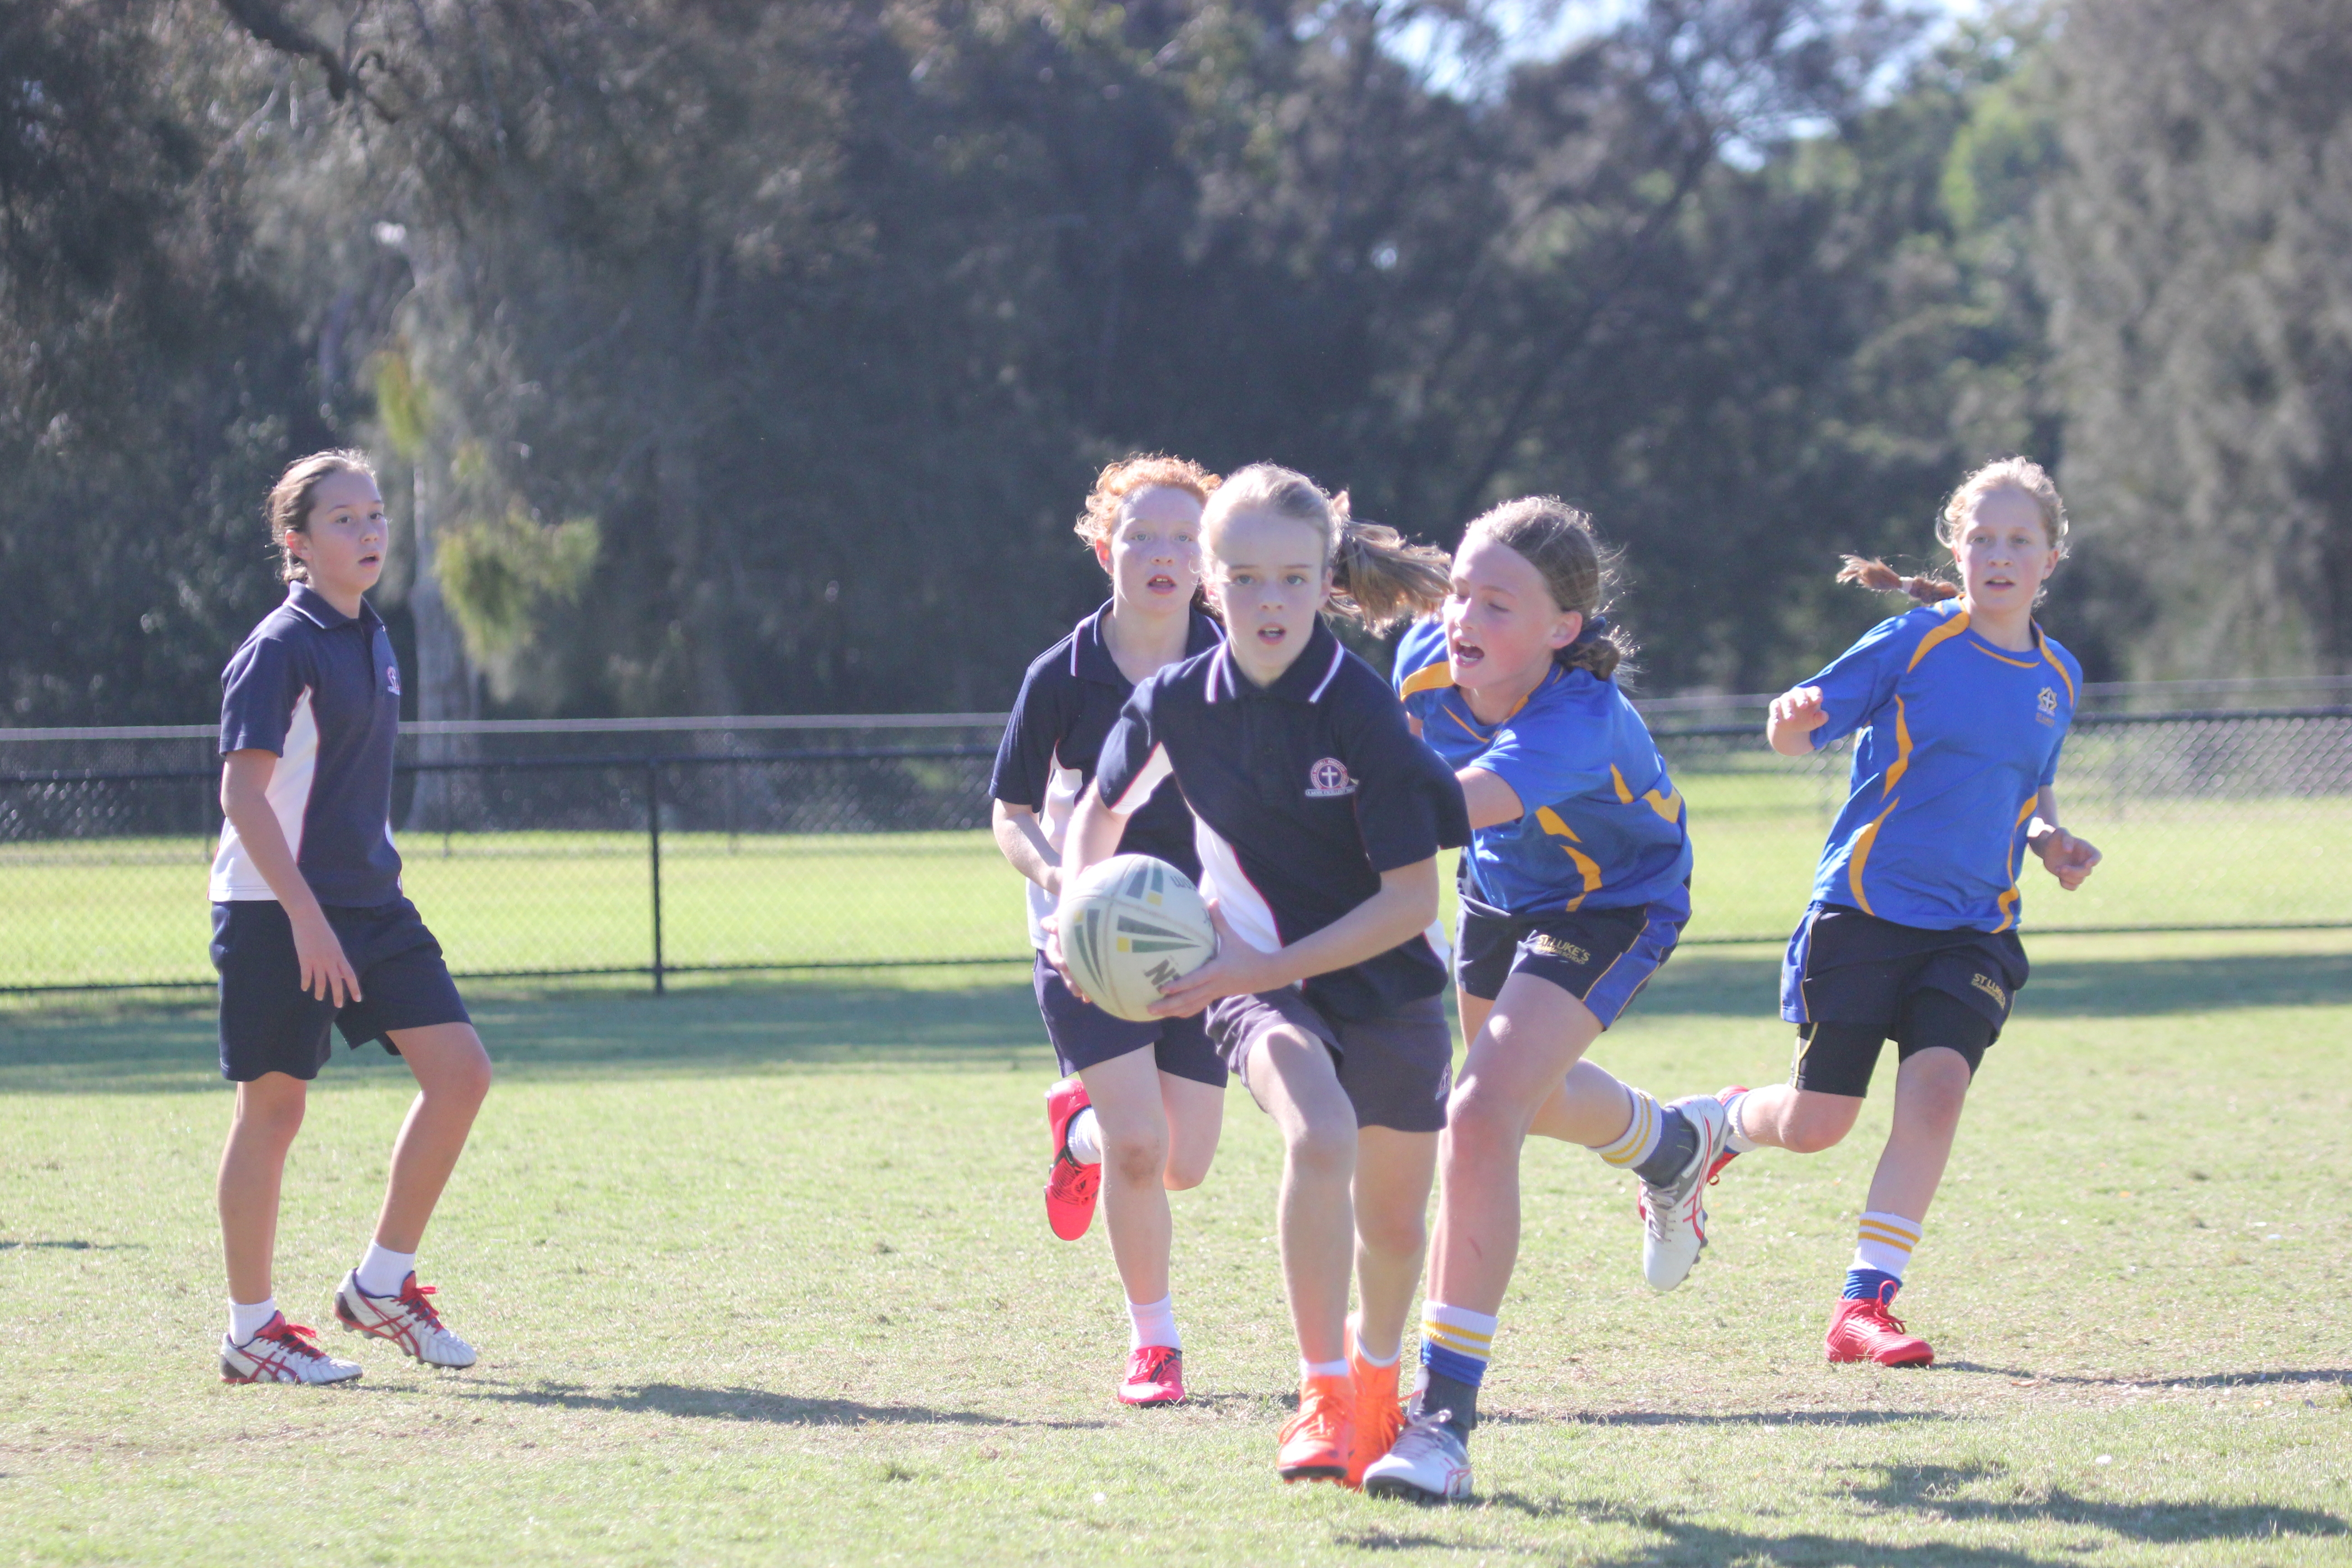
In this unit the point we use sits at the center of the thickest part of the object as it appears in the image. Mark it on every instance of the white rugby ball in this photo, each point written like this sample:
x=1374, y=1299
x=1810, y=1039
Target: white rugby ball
x=1130, y=925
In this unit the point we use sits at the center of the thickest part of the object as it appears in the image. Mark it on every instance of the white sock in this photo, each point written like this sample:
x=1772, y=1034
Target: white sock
x=1363, y=1351
x=1885, y=1241
x=1083, y=1139
x=246, y=1320
x=1740, y=1142
x=1640, y=1139
x=1308, y=1368
x=383, y=1269
x=1153, y=1323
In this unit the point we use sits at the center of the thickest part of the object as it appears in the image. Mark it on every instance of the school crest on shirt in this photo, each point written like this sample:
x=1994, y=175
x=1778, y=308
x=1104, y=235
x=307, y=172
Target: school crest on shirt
x=392, y=679
x=2046, y=706
x=1328, y=780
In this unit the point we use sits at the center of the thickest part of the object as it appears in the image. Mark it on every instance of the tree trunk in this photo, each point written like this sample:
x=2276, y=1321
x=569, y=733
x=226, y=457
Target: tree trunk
x=446, y=687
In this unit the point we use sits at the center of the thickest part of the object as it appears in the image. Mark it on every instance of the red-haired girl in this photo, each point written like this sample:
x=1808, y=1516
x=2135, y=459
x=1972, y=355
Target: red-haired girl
x=1139, y=1106
x=1962, y=704
x=1319, y=818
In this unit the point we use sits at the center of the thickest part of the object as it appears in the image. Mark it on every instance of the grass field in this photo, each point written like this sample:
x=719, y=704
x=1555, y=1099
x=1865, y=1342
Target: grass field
x=759, y=1276
x=112, y=910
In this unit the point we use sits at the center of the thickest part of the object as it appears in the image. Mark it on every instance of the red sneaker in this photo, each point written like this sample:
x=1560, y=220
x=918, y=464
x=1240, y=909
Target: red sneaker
x=1155, y=1375
x=1726, y=1095
x=1867, y=1331
x=1379, y=1413
x=1070, y=1187
x=1314, y=1441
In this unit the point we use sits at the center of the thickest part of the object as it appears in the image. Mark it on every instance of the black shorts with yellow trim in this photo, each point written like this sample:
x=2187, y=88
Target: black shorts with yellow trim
x=1600, y=957
x=1851, y=980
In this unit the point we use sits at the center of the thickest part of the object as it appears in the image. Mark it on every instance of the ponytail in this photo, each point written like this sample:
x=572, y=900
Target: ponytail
x=1579, y=573
x=1878, y=576
x=1378, y=578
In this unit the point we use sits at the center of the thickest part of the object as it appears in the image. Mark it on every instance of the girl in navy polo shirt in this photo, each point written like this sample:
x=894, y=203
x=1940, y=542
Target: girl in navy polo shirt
x=1318, y=821
x=1139, y=1106
x=1962, y=703
x=311, y=933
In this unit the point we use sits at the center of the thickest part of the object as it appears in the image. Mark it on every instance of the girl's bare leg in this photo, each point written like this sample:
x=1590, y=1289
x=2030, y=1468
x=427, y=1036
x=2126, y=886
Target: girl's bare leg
x=1393, y=1171
x=269, y=1114
x=1130, y=1113
x=1196, y=1119
x=1292, y=1076
x=453, y=1075
x=1930, y=1088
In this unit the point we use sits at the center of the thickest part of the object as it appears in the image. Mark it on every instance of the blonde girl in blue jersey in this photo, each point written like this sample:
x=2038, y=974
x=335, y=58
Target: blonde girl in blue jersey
x=1962, y=705
x=1574, y=889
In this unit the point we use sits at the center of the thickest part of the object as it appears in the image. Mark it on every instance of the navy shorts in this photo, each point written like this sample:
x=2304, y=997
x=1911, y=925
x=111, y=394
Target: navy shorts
x=1847, y=967
x=1600, y=957
x=1084, y=1036
x=1398, y=1068
x=269, y=1024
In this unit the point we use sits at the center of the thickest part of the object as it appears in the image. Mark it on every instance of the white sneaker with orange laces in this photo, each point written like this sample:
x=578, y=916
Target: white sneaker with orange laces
x=280, y=1351
x=406, y=1319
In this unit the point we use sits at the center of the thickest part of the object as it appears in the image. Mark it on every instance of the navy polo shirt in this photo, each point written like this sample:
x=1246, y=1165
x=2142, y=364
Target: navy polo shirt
x=1069, y=701
x=1304, y=792
x=321, y=689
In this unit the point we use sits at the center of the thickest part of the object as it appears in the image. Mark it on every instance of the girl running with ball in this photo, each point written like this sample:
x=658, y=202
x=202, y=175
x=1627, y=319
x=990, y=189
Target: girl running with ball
x=1574, y=891
x=1139, y=1106
x=1962, y=705
x=1319, y=819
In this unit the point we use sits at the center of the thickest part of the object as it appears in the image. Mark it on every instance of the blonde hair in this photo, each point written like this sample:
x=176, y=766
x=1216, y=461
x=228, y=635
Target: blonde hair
x=288, y=510
x=1377, y=578
x=1139, y=471
x=1579, y=573
x=2022, y=475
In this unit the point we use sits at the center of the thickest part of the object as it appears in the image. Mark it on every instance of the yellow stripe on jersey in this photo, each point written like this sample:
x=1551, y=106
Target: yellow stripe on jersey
x=2008, y=900
x=1428, y=678
x=1861, y=843
x=1586, y=866
x=2042, y=640
x=1902, y=764
x=1669, y=807
x=1945, y=633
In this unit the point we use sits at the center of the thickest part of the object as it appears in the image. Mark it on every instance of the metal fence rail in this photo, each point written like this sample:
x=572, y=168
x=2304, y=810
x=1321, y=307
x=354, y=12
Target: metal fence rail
x=871, y=850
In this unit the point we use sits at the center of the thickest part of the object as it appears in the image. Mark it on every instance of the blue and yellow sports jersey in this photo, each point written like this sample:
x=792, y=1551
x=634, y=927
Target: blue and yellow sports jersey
x=1603, y=826
x=1957, y=739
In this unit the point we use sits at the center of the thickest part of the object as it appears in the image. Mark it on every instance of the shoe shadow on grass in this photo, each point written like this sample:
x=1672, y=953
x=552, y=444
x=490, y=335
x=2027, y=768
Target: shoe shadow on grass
x=757, y=1405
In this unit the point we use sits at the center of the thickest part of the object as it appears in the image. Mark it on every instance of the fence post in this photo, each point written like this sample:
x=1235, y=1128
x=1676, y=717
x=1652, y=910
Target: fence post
x=652, y=855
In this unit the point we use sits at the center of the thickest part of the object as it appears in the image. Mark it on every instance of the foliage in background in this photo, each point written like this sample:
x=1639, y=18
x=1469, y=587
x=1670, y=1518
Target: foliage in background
x=825, y=315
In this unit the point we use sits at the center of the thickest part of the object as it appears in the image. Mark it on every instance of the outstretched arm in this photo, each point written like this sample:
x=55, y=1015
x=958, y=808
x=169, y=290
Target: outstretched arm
x=1399, y=912
x=1794, y=716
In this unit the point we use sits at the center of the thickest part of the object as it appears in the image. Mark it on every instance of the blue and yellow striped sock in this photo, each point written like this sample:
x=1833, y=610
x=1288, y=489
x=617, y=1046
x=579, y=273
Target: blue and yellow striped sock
x=1454, y=1345
x=1882, y=1253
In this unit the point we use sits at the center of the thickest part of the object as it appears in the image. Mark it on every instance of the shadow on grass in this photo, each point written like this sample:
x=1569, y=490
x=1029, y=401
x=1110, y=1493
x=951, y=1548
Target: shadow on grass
x=1937, y=1490
x=1756, y=1419
x=8, y=1246
x=720, y=1029
x=2155, y=1381
x=1702, y=984
x=1934, y=1492
x=752, y=1405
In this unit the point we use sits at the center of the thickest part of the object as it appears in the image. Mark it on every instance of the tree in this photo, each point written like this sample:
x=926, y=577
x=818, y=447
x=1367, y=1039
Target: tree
x=2197, y=250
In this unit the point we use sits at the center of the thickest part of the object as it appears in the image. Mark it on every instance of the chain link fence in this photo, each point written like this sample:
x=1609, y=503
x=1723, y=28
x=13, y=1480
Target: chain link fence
x=664, y=847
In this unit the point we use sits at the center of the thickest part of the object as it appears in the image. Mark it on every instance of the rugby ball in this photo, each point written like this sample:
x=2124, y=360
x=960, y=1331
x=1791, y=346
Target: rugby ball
x=1129, y=925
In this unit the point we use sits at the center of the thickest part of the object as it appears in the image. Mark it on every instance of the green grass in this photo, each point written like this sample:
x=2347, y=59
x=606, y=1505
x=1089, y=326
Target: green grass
x=116, y=910
x=759, y=1276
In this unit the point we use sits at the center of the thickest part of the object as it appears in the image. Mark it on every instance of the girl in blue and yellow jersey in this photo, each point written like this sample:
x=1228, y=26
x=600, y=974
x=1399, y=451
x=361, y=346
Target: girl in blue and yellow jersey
x=1962, y=704
x=1574, y=889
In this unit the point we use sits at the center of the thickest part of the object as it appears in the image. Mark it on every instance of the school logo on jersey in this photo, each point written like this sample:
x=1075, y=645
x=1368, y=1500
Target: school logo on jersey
x=1328, y=780
x=392, y=679
x=2047, y=706
x=1558, y=949
x=1990, y=987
